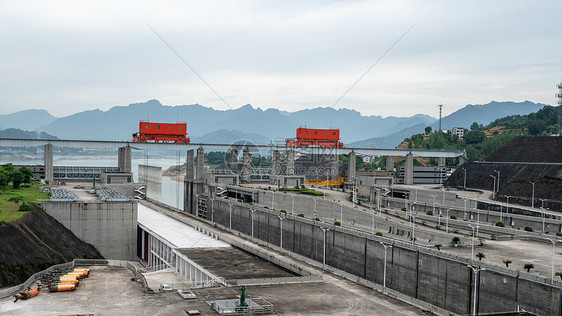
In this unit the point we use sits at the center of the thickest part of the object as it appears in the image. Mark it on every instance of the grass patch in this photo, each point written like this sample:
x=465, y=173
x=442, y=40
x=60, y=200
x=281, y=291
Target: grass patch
x=12, y=199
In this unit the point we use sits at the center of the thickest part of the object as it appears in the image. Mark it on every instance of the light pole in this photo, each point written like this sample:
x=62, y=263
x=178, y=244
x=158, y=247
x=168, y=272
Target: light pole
x=384, y=274
x=272, y=199
x=464, y=185
x=292, y=204
x=324, y=230
x=507, y=205
x=498, y=190
x=543, y=218
x=281, y=230
x=433, y=196
x=373, y=222
x=413, y=230
x=447, y=230
x=252, y=210
x=472, y=253
x=494, y=188
x=553, y=244
x=230, y=220
x=476, y=271
x=212, y=209
x=533, y=196
x=542, y=202
x=341, y=213
x=314, y=208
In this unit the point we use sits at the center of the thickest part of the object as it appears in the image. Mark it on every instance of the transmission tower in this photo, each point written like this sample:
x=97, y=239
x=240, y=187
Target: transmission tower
x=559, y=96
x=440, y=109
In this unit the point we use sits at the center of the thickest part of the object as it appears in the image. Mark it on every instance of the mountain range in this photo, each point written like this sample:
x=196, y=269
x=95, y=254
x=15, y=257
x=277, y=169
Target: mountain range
x=207, y=125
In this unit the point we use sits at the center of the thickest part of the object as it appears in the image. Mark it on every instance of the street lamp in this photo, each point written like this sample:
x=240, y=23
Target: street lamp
x=476, y=271
x=553, y=244
x=293, y=204
x=230, y=220
x=542, y=202
x=272, y=199
x=341, y=213
x=212, y=209
x=464, y=185
x=384, y=275
x=373, y=222
x=413, y=230
x=494, y=188
x=498, y=190
x=314, y=208
x=252, y=210
x=472, y=253
x=324, y=230
x=533, y=196
x=447, y=230
x=281, y=229
x=433, y=196
x=543, y=218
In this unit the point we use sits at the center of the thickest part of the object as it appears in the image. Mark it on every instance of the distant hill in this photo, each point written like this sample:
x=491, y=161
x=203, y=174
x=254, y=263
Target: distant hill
x=27, y=119
x=120, y=122
x=18, y=133
x=482, y=114
x=230, y=136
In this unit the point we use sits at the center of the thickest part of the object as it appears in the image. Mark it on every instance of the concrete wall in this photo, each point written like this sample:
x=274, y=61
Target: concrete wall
x=111, y=227
x=441, y=280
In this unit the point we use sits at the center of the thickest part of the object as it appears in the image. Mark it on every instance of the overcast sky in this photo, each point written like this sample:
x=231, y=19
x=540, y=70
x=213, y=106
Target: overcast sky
x=71, y=56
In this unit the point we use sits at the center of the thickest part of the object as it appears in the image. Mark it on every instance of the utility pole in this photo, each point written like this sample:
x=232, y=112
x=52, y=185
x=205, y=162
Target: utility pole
x=559, y=96
x=440, y=109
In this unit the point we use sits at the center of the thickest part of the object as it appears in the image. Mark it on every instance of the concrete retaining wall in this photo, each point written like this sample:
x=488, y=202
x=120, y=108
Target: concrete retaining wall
x=422, y=274
x=111, y=227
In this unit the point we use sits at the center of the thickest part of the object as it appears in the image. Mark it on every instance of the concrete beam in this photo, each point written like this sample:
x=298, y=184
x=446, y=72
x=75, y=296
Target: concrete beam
x=276, y=166
x=409, y=176
x=441, y=161
x=48, y=162
x=351, y=166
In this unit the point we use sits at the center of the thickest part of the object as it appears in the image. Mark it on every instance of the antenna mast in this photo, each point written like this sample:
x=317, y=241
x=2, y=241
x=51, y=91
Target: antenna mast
x=440, y=109
x=559, y=96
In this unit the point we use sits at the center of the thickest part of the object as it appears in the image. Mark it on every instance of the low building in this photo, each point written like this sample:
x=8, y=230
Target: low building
x=459, y=131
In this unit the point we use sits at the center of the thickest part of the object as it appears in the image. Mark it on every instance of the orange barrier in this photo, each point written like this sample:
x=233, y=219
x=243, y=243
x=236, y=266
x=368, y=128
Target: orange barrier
x=25, y=295
x=62, y=288
x=74, y=282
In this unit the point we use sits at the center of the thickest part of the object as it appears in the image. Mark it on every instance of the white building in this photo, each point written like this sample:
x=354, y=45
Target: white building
x=459, y=131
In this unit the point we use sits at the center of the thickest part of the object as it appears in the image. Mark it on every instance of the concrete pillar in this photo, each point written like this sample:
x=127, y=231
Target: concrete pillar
x=200, y=163
x=275, y=167
x=246, y=166
x=409, y=176
x=290, y=162
x=124, y=159
x=389, y=163
x=189, y=192
x=441, y=162
x=189, y=173
x=351, y=167
x=233, y=163
x=48, y=162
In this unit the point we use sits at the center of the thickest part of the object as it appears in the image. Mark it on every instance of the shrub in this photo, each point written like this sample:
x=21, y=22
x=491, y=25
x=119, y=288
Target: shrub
x=500, y=224
x=300, y=215
x=317, y=219
x=528, y=267
x=507, y=262
x=267, y=207
x=26, y=208
x=559, y=274
x=239, y=201
x=528, y=228
x=429, y=212
x=452, y=216
x=2, y=222
x=378, y=233
x=438, y=246
x=337, y=223
x=403, y=208
x=559, y=234
x=456, y=240
x=251, y=203
x=480, y=255
x=283, y=211
x=382, y=205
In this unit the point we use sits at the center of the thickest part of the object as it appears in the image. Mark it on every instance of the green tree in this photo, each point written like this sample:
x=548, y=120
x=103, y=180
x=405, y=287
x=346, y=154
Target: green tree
x=480, y=255
x=4, y=178
x=428, y=129
x=528, y=267
x=17, y=179
x=27, y=174
x=507, y=262
x=474, y=137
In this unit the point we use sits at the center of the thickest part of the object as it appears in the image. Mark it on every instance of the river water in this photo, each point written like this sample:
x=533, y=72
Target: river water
x=170, y=192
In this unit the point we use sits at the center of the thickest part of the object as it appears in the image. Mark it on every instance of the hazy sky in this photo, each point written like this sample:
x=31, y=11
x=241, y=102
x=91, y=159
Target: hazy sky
x=70, y=56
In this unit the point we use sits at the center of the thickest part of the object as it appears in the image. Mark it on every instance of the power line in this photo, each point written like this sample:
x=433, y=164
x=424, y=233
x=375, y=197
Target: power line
x=362, y=76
